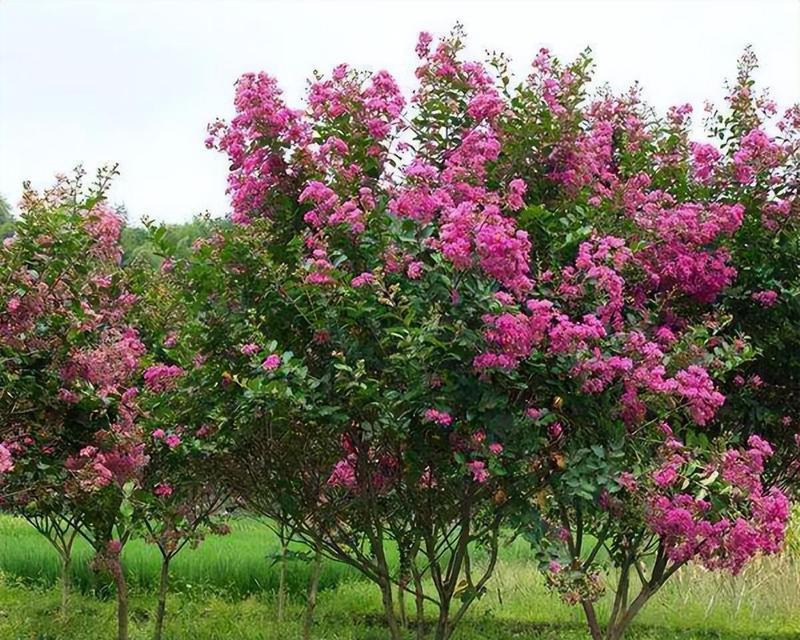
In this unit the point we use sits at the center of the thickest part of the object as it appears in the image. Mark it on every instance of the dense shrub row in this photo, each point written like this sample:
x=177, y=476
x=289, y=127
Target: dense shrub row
x=432, y=321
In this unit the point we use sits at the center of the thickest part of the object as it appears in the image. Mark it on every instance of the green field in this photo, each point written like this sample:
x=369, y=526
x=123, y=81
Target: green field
x=226, y=587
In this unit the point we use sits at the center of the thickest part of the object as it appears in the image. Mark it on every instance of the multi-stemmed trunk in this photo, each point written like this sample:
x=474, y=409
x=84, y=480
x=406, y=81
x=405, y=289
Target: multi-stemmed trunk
x=455, y=576
x=61, y=533
x=419, y=600
x=623, y=613
x=385, y=584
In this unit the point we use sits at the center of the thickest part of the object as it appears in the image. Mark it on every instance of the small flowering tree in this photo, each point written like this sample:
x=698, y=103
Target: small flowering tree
x=347, y=314
x=538, y=286
x=648, y=460
x=287, y=426
x=179, y=500
x=71, y=449
x=178, y=511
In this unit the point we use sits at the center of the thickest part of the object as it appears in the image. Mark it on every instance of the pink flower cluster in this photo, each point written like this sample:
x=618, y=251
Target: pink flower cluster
x=95, y=468
x=691, y=529
x=105, y=226
x=757, y=151
x=477, y=468
x=256, y=168
x=6, y=460
x=765, y=298
x=249, y=349
x=271, y=362
x=382, y=469
x=601, y=353
x=438, y=417
x=682, y=255
x=109, y=365
x=162, y=377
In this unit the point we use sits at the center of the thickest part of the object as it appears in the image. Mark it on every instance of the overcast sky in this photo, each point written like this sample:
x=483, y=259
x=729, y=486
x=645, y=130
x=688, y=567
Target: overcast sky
x=136, y=81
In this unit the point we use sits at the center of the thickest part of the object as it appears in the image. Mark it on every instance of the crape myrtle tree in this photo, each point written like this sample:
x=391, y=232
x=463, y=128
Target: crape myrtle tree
x=495, y=302
x=87, y=450
x=177, y=507
x=703, y=240
x=296, y=451
x=334, y=347
x=178, y=500
x=490, y=308
x=72, y=451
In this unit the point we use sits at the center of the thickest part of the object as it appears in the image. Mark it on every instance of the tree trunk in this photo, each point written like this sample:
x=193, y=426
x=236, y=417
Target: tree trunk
x=420, y=601
x=161, y=607
x=617, y=630
x=591, y=619
x=282, y=579
x=442, y=624
x=66, y=578
x=311, y=597
x=122, y=604
x=388, y=608
x=401, y=604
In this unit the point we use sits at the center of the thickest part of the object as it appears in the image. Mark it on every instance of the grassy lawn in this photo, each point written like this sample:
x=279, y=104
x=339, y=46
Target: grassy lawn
x=225, y=588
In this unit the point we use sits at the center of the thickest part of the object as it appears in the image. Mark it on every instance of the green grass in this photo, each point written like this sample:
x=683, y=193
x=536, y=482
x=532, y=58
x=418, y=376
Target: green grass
x=225, y=588
x=239, y=564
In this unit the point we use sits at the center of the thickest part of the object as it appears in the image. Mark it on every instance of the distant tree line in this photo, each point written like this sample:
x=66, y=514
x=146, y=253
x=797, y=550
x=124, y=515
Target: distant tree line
x=135, y=239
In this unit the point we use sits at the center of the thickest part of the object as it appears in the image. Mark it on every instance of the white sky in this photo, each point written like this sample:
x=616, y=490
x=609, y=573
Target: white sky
x=136, y=82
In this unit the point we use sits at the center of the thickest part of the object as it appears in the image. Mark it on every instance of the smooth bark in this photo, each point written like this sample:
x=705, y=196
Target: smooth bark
x=161, y=607
x=311, y=597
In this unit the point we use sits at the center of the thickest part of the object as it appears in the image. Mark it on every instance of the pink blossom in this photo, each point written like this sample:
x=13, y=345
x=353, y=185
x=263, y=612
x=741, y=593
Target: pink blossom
x=414, y=270
x=627, y=481
x=765, y=298
x=486, y=105
x=249, y=349
x=172, y=440
x=162, y=377
x=695, y=386
x=362, y=280
x=665, y=476
x=705, y=158
x=70, y=397
x=162, y=490
x=439, y=417
x=344, y=474
x=271, y=362
x=427, y=480
x=6, y=461
x=204, y=431
x=478, y=470
x=757, y=151
x=516, y=191
x=533, y=413
x=423, y=44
